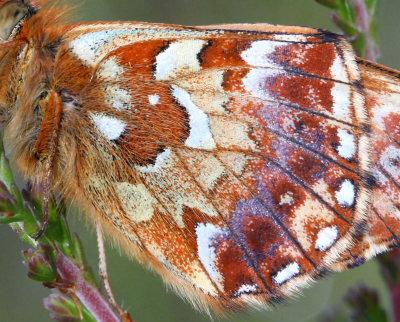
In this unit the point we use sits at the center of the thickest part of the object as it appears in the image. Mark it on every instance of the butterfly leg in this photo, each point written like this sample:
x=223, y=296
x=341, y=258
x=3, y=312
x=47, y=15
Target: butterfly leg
x=46, y=150
x=104, y=275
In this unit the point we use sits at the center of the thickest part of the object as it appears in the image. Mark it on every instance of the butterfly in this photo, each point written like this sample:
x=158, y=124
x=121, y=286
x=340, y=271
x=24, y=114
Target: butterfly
x=241, y=162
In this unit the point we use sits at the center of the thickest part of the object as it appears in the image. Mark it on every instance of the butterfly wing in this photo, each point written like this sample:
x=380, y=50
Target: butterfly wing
x=232, y=161
x=381, y=87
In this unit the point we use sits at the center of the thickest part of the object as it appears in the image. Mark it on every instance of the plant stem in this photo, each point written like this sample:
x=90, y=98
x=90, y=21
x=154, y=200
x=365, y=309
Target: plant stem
x=57, y=259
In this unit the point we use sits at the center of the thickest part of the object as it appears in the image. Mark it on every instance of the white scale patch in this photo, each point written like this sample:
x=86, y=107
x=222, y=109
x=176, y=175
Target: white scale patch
x=154, y=99
x=338, y=70
x=389, y=160
x=230, y=133
x=287, y=198
x=110, y=70
x=161, y=160
x=92, y=47
x=206, y=90
x=206, y=234
x=257, y=54
x=178, y=57
x=246, y=289
x=347, y=145
x=287, y=273
x=200, y=136
x=255, y=81
x=235, y=161
x=341, y=94
x=137, y=200
x=388, y=107
x=291, y=38
x=118, y=98
x=110, y=127
x=346, y=194
x=326, y=237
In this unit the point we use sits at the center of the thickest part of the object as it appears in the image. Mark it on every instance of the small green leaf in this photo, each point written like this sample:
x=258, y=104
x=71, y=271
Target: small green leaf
x=63, y=308
x=40, y=265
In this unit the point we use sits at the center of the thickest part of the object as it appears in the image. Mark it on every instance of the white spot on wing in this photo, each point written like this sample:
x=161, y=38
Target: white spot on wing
x=179, y=56
x=206, y=234
x=160, y=161
x=118, y=98
x=389, y=160
x=110, y=69
x=246, y=289
x=110, y=127
x=341, y=94
x=259, y=52
x=200, y=135
x=291, y=38
x=346, y=194
x=326, y=238
x=338, y=70
x=154, y=99
x=287, y=273
x=137, y=201
x=347, y=145
x=256, y=80
x=92, y=47
x=287, y=198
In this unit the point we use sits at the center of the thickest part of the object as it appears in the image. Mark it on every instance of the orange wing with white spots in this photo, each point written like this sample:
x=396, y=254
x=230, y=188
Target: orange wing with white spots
x=234, y=160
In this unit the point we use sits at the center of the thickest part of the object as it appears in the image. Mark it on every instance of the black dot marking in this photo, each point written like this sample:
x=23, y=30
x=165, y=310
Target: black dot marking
x=370, y=180
x=366, y=128
x=358, y=261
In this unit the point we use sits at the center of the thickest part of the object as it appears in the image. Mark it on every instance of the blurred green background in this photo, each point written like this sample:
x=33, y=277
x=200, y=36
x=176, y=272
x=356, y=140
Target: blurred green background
x=140, y=291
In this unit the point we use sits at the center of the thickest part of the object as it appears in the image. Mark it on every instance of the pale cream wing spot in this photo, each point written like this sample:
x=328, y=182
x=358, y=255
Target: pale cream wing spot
x=110, y=70
x=179, y=57
x=322, y=189
x=308, y=213
x=230, y=133
x=137, y=201
x=206, y=91
x=118, y=98
x=207, y=169
x=287, y=199
x=235, y=161
x=166, y=180
x=338, y=70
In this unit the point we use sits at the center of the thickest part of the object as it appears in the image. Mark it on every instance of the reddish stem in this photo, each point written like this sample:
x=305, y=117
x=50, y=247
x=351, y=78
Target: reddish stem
x=90, y=297
x=364, y=27
x=395, y=292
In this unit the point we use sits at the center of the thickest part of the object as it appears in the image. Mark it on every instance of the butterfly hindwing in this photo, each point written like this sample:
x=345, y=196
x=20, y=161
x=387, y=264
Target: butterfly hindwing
x=236, y=160
x=382, y=96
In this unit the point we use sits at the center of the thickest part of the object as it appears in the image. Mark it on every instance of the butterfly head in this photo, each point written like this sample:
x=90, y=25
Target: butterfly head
x=13, y=13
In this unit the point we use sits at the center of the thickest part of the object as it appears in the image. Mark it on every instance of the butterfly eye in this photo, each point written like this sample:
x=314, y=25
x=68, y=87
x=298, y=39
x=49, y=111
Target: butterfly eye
x=12, y=16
